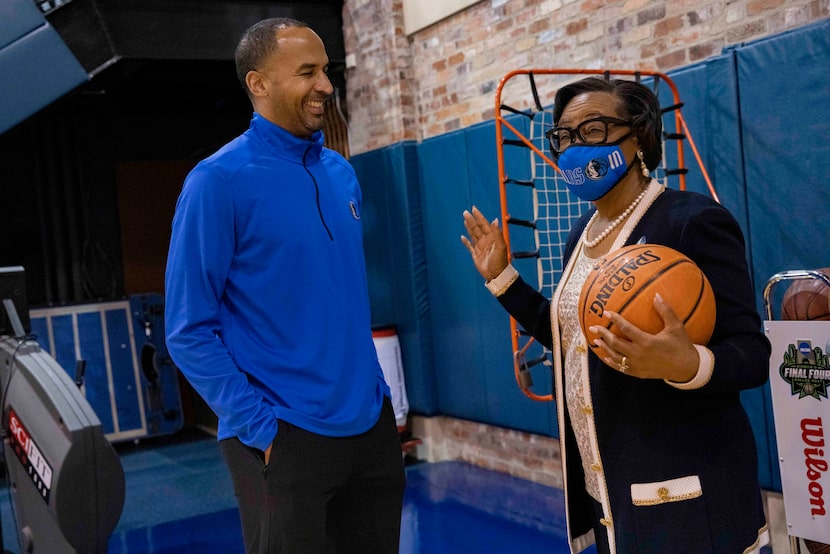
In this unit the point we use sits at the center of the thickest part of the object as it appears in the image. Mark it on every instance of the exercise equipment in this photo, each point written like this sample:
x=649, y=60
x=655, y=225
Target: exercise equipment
x=64, y=477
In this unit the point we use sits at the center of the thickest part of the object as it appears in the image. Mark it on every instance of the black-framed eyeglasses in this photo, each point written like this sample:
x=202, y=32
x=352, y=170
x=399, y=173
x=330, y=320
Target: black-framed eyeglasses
x=590, y=131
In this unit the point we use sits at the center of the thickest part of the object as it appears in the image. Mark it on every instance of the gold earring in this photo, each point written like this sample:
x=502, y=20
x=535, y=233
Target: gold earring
x=642, y=163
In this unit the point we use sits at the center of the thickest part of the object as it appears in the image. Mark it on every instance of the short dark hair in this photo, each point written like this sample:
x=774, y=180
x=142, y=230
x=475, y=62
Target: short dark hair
x=638, y=104
x=258, y=42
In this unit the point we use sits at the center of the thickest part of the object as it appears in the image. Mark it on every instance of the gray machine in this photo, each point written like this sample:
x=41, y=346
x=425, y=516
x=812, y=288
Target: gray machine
x=65, y=478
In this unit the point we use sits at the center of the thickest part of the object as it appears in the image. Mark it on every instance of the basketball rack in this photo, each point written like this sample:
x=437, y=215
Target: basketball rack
x=554, y=211
x=799, y=392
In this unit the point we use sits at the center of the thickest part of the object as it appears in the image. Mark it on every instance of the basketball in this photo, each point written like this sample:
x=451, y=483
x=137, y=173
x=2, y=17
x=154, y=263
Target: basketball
x=626, y=280
x=807, y=300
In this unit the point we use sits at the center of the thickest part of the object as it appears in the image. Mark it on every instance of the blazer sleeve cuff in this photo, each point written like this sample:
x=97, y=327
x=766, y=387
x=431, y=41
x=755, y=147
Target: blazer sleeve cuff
x=503, y=281
x=704, y=371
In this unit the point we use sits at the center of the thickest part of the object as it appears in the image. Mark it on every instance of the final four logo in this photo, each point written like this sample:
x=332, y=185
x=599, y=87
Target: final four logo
x=806, y=369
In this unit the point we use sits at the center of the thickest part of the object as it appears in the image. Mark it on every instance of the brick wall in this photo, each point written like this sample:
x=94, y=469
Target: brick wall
x=521, y=454
x=444, y=77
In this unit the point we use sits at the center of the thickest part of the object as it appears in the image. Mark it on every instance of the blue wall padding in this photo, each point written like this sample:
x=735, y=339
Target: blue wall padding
x=469, y=359
x=455, y=304
x=37, y=69
x=707, y=91
x=470, y=329
x=758, y=116
x=717, y=118
x=784, y=91
x=396, y=264
x=710, y=102
x=505, y=402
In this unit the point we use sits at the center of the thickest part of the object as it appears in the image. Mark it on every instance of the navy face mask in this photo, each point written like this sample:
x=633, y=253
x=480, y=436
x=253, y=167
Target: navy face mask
x=591, y=170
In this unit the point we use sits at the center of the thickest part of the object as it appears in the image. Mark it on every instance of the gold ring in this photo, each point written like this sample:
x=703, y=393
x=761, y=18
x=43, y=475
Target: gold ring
x=624, y=364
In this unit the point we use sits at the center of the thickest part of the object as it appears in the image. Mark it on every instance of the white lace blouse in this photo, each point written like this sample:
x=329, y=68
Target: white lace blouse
x=577, y=386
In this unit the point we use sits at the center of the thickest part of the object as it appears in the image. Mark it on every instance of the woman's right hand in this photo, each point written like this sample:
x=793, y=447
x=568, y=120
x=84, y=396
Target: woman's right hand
x=486, y=244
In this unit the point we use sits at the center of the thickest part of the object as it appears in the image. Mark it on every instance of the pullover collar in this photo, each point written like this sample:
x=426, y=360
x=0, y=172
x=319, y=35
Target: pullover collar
x=281, y=143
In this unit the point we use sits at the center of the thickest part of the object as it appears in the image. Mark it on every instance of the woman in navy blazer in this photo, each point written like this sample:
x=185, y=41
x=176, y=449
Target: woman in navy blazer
x=658, y=454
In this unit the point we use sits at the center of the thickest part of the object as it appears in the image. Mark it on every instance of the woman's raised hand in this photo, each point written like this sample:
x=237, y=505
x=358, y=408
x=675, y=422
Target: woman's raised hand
x=485, y=243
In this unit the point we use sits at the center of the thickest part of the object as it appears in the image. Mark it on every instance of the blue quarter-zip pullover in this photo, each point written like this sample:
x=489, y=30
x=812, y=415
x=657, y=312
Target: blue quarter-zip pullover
x=267, y=310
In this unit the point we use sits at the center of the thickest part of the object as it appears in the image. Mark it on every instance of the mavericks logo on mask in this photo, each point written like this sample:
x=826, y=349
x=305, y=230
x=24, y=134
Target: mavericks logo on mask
x=590, y=171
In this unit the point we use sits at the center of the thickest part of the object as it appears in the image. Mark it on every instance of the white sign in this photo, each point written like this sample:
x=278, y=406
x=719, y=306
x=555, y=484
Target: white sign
x=799, y=383
x=419, y=14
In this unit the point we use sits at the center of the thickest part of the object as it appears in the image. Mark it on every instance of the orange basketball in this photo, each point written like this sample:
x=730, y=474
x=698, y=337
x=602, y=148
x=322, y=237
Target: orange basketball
x=807, y=300
x=626, y=280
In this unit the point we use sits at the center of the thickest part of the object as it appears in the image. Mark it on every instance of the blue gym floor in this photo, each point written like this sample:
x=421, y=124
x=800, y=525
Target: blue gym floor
x=179, y=499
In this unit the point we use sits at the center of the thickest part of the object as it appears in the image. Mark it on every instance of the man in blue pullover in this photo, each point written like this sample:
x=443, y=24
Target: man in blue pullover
x=267, y=315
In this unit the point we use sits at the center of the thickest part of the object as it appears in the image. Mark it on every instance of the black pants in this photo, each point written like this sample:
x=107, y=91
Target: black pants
x=321, y=494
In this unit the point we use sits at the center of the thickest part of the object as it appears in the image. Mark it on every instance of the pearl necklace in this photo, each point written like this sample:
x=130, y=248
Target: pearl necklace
x=607, y=231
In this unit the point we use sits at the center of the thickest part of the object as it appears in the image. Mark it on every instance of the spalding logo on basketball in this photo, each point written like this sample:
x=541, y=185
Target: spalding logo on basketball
x=626, y=280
